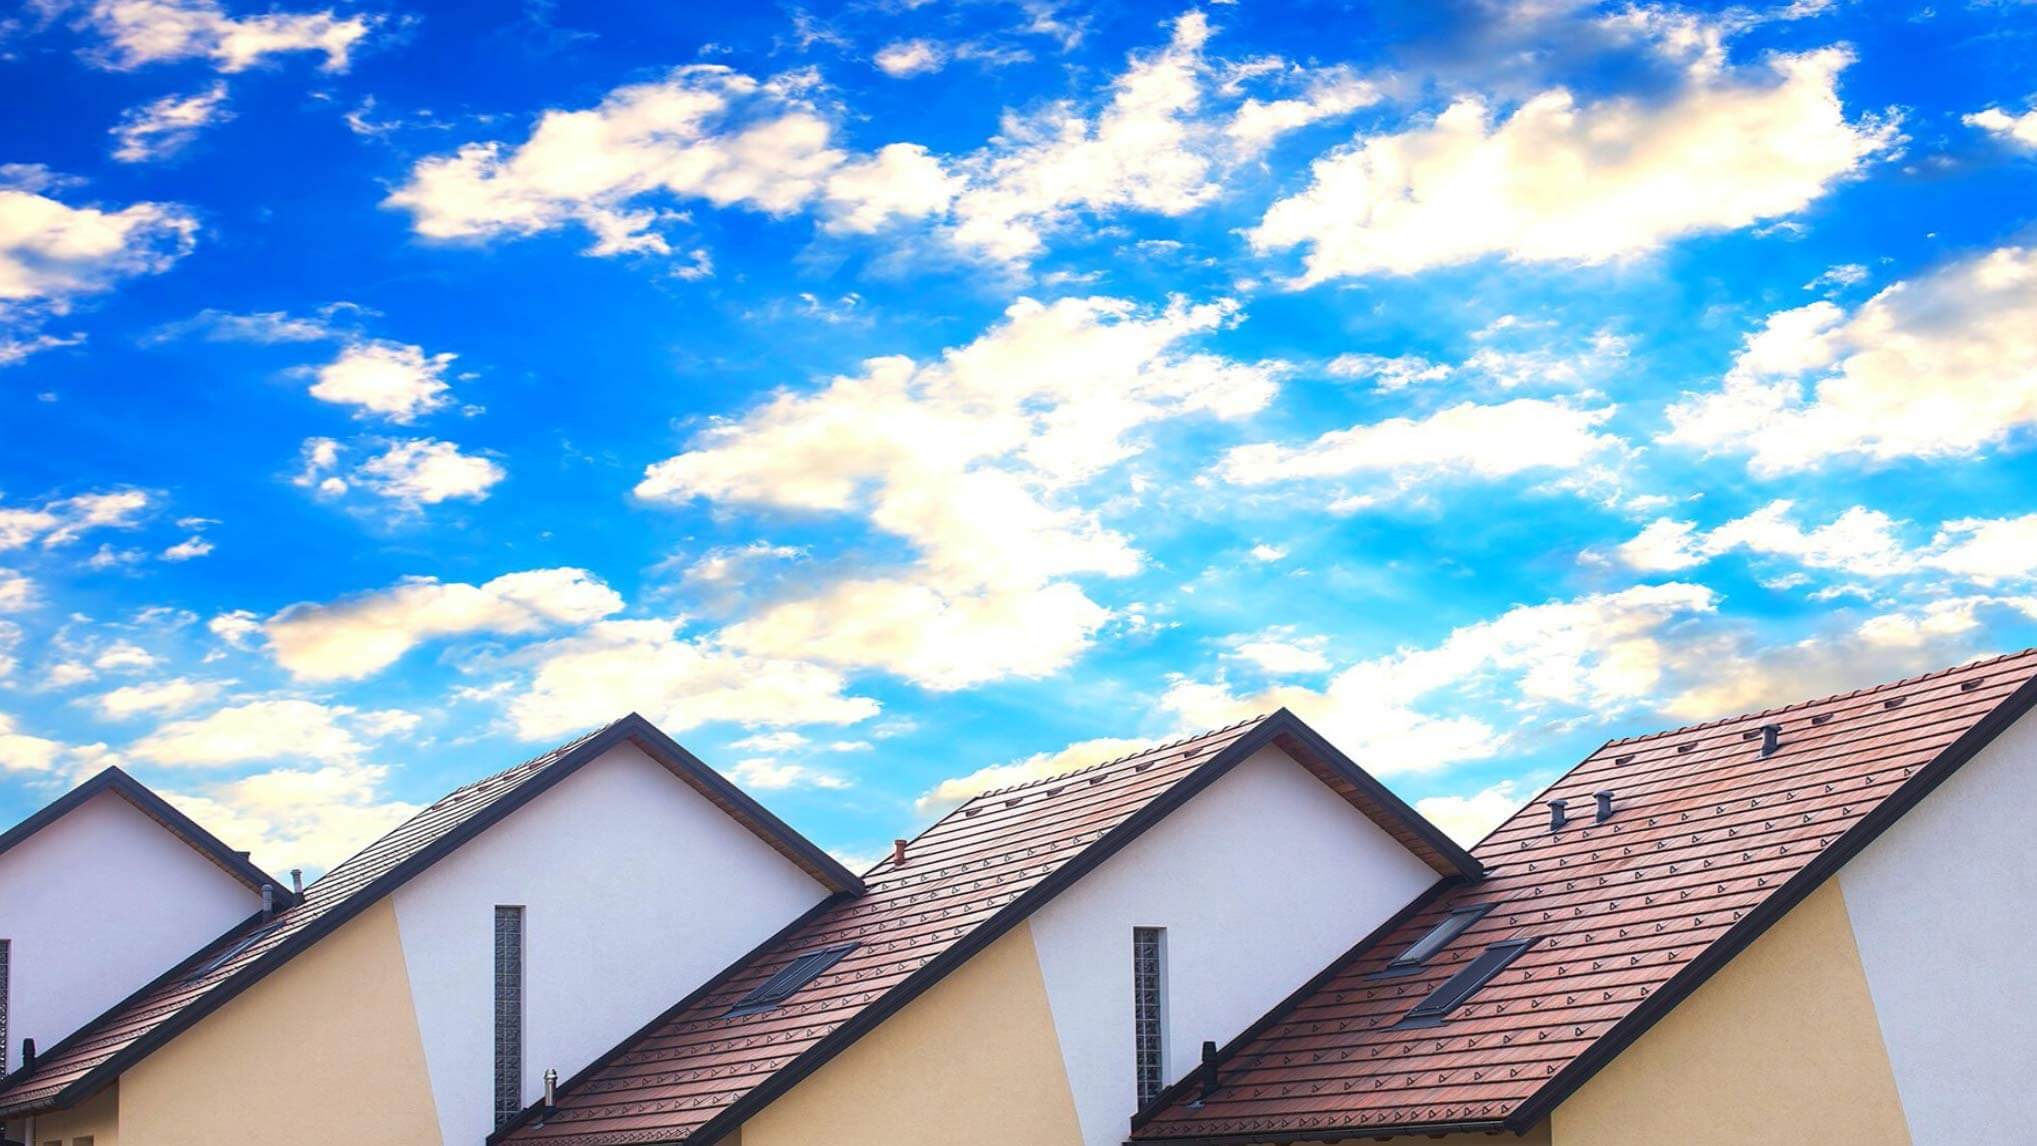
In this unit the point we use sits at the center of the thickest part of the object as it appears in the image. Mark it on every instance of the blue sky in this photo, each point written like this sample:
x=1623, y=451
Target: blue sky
x=894, y=399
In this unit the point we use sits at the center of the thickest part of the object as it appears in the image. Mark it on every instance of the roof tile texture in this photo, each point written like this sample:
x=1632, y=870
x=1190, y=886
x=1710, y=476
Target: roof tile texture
x=1705, y=828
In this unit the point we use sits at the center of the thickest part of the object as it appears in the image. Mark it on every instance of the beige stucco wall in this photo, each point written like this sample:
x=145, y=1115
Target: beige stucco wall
x=973, y=1060
x=323, y=1052
x=97, y=1118
x=1780, y=1047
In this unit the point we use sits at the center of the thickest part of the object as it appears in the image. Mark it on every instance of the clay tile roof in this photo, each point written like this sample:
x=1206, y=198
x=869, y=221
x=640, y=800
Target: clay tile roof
x=235, y=864
x=696, y=1072
x=1710, y=842
x=77, y=1067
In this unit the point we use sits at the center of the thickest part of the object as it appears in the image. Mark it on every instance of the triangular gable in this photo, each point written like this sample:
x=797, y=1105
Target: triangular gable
x=144, y=800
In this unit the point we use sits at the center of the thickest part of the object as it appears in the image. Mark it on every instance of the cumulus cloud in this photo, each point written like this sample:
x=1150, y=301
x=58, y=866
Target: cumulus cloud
x=1600, y=654
x=391, y=380
x=136, y=33
x=20, y=752
x=902, y=58
x=1943, y=365
x=426, y=471
x=769, y=775
x=299, y=817
x=2018, y=130
x=1556, y=180
x=1465, y=440
x=1281, y=651
x=976, y=460
x=61, y=521
x=958, y=790
x=17, y=592
x=157, y=697
x=1468, y=819
x=161, y=128
x=256, y=730
x=358, y=636
x=52, y=252
x=1386, y=373
x=1860, y=542
x=646, y=666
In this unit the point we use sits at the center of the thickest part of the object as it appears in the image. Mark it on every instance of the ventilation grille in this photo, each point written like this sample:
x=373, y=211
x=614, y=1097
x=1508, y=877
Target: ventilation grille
x=1147, y=1036
x=508, y=1013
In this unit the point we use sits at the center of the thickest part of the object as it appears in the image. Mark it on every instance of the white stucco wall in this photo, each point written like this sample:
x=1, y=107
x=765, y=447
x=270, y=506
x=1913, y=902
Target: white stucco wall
x=1944, y=909
x=96, y=905
x=1260, y=880
x=635, y=888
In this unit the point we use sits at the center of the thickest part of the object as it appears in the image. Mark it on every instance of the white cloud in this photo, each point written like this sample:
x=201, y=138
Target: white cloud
x=1988, y=550
x=123, y=655
x=1387, y=373
x=1944, y=365
x=781, y=741
x=20, y=752
x=1268, y=553
x=299, y=817
x=646, y=666
x=1860, y=542
x=1468, y=439
x=1329, y=94
x=188, y=549
x=426, y=471
x=2020, y=130
x=17, y=592
x=704, y=132
x=357, y=636
x=903, y=58
x=1468, y=819
x=766, y=774
x=952, y=792
x=255, y=730
x=174, y=695
x=267, y=327
x=1599, y=654
x=142, y=32
x=976, y=460
x=51, y=252
x=1281, y=652
x=238, y=628
x=392, y=380
x=1556, y=180
x=163, y=127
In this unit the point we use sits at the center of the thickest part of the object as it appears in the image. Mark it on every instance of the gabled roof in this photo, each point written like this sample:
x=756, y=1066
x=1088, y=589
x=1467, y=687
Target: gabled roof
x=94, y=1056
x=697, y=1071
x=235, y=864
x=1710, y=842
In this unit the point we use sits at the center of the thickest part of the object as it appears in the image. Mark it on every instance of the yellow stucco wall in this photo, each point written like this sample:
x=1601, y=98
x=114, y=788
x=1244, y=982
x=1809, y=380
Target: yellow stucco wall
x=1780, y=1047
x=323, y=1052
x=97, y=1118
x=973, y=1060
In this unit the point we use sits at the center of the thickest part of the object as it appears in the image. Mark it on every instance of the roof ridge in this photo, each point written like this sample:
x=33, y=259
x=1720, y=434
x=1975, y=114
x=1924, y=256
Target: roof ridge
x=1865, y=690
x=1148, y=750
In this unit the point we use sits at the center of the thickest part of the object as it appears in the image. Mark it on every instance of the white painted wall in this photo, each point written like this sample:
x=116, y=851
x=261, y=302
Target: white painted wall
x=636, y=889
x=1260, y=880
x=1944, y=908
x=97, y=904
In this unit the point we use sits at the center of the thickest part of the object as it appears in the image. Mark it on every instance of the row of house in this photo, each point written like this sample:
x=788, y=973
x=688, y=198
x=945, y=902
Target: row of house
x=1809, y=924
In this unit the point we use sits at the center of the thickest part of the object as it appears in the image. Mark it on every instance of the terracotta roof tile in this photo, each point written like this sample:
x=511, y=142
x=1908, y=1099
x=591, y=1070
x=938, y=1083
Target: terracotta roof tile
x=1709, y=840
x=965, y=880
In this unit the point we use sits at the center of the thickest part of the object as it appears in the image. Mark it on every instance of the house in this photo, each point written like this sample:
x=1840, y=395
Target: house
x=1031, y=967
x=420, y=991
x=99, y=891
x=1811, y=924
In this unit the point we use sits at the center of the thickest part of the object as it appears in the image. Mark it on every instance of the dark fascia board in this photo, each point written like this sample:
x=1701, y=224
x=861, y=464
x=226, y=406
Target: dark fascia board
x=1452, y=852
x=774, y=831
x=112, y=779
x=1192, y=1081
x=632, y=727
x=1275, y=1137
x=1265, y=732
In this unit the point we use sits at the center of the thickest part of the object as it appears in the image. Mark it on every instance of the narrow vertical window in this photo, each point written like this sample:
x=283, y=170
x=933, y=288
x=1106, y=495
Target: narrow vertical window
x=508, y=1013
x=1149, y=1010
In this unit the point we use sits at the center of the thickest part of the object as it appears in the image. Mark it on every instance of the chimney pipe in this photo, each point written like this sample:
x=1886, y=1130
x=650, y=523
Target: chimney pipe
x=898, y=853
x=27, y=1054
x=1605, y=804
x=268, y=901
x=1209, y=1068
x=297, y=880
x=551, y=1089
x=1556, y=817
x=1771, y=738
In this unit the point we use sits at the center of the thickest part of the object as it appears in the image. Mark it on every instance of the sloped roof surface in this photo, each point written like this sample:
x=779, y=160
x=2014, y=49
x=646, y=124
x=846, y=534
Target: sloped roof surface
x=697, y=1071
x=75, y=1067
x=1710, y=841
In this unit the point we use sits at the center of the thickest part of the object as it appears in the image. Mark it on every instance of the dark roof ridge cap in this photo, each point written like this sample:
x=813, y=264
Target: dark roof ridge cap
x=1865, y=690
x=1148, y=750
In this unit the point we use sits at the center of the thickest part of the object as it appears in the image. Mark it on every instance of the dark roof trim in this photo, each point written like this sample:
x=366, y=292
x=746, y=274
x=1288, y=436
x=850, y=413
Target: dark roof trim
x=1192, y=1081
x=112, y=779
x=1281, y=724
x=1448, y=850
x=632, y=727
x=1411, y=1129
x=1768, y=911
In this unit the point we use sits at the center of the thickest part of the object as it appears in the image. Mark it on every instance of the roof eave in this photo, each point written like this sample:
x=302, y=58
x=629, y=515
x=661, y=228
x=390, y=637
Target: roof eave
x=1338, y=1134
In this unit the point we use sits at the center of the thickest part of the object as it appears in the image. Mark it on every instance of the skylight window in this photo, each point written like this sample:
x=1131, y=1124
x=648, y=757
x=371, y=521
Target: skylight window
x=1440, y=936
x=788, y=980
x=1465, y=983
x=226, y=956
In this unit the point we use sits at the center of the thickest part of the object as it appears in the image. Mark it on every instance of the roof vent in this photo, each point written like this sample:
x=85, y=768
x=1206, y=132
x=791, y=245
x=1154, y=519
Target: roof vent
x=27, y=1054
x=1605, y=804
x=1209, y=1068
x=1556, y=817
x=297, y=880
x=551, y=1089
x=268, y=901
x=1771, y=738
x=898, y=853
